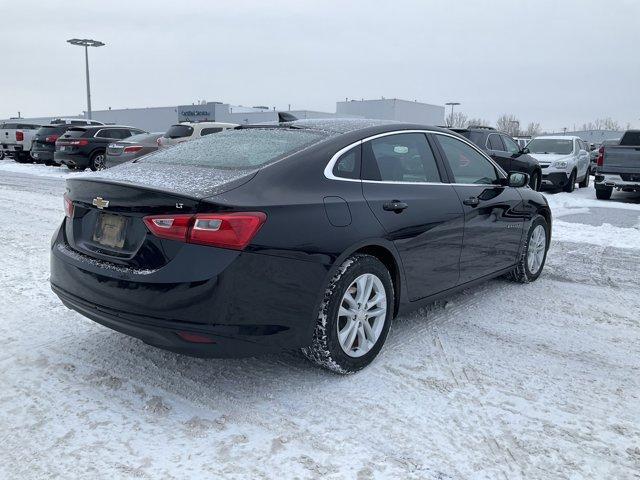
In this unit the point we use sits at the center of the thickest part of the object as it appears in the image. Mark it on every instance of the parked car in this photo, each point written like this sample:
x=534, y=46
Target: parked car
x=185, y=131
x=15, y=139
x=504, y=150
x=131, y=148
x=311, y=235
x=619, y=166
x=44, y=142
x=85, y=147
x=564, y=160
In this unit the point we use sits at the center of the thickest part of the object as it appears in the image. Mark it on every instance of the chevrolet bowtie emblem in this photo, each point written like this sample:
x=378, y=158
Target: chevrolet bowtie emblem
x=100, y=203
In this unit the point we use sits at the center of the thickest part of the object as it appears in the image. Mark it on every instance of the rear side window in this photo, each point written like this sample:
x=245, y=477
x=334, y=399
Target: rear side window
x=234, y=149
x=108, y=133
x=209, y=131
x=179, y=131
x=405, y=157
x=348, y=165
x=494, y=142
x=467, y=165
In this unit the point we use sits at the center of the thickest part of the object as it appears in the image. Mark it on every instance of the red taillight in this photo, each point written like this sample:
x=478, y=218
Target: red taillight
x=19, y=136
x=75, y=143
x=159, y=141
x=600, y=159
x=195, y=338
x=226, y=230
x=133, y=149
x=68, y=207
x=51, y=138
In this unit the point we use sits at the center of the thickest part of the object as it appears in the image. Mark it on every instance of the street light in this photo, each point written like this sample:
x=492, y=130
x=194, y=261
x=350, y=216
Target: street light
x=86, y=43
x=452, y=105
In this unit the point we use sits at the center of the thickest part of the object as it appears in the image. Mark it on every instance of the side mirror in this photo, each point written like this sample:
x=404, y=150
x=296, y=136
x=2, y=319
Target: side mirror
x=517, y=179
x=524, y=151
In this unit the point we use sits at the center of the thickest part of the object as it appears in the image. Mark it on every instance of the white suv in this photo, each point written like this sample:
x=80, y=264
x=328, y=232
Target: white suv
x=185, y=131
x=564, y=160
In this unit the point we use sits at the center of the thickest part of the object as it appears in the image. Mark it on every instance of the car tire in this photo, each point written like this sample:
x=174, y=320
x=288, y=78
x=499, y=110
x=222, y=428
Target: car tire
x=71, y=167
x=603, y=193
x=585, y=182
x=534, y=252
x=571, y=184
x=97, y=161
x=341, y=342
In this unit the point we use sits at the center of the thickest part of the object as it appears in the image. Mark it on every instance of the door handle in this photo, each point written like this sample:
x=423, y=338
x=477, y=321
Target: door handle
x=394, y=206
x=472, y=201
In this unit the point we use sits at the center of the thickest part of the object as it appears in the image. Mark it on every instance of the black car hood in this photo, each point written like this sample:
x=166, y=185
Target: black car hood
x=196, y=182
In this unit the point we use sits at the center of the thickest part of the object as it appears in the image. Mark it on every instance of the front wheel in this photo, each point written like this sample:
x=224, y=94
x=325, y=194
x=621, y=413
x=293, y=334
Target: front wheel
x=571, y=184
x=97, y=161
x=534, y=252
x=585, y=183
x=354, y=317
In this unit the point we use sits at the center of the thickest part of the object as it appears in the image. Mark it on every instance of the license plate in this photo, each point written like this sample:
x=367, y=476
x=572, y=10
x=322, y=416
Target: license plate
x=110, y=230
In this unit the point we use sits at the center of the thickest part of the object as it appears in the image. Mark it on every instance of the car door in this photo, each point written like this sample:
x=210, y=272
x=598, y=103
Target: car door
x=498, y=152
x=583, y=158
x=494, y=221
x=422, y=215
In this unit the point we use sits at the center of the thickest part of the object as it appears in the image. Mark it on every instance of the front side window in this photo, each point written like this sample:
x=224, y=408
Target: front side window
x=494, y=143
x=405, y=157
x=511, y=146
x=467, y=164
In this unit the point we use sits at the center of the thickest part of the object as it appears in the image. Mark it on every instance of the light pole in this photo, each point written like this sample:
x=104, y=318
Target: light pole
x=86, y=43
x=452, y=105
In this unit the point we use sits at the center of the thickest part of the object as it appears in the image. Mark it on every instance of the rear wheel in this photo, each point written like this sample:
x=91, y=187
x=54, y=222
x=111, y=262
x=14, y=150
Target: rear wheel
x=97, y=161
x=534, y=252
x=571, y=184
x=71, y=167
x=354, y=317
x=603, y=193
x=585, y=182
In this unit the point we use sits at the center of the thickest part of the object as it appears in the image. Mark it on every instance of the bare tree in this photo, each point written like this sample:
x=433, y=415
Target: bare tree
x=602, y=124
x=533, y=129
x=478, y=122
x=456, y=120
x=508, y=123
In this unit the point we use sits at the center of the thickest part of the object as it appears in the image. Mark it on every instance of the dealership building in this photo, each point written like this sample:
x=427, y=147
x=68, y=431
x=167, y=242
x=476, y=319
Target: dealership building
x=158, y=119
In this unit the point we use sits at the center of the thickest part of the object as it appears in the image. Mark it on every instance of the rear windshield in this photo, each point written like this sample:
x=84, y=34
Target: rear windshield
x=550, y=145
x=75, y=133
x=631, y=139
x=178, y=131
x=244, y=148
x=141, y=137
x=52, y=130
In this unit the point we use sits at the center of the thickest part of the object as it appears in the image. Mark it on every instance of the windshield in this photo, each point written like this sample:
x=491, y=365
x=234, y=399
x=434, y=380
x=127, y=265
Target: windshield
x=550, y=145
x=244, y=148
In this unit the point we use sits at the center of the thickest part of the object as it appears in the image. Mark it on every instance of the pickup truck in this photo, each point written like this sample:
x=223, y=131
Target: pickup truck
x=15, y=139
x=618, y=166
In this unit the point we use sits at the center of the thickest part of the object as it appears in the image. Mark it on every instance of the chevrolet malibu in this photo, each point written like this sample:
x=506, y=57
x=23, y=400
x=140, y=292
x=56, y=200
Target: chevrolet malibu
x=308, y=235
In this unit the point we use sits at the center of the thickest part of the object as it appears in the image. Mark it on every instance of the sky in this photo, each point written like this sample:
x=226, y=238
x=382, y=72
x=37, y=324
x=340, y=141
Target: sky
x=559, y=63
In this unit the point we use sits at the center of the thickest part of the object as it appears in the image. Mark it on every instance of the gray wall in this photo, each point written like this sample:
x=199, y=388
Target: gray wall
x=393, y=109
x=154, y=119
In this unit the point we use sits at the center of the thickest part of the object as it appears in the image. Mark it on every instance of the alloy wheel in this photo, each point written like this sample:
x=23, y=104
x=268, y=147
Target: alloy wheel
x=536, y=249
x=98, y=162
x=362, y=315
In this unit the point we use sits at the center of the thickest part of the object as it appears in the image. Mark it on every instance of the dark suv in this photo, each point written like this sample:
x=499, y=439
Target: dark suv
x=82, y=147
x=505, y=151
x=44, y=143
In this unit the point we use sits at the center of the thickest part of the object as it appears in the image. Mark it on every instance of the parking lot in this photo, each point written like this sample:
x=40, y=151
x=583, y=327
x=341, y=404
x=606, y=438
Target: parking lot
x=504, y=381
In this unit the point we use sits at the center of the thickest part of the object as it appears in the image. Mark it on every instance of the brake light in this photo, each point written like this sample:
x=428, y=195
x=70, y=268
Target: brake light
x=133, y=149
x=51, y=138
x=225, y=230
x=600, y=159
x=68, y=207
x=159, y=141
x=19, y=136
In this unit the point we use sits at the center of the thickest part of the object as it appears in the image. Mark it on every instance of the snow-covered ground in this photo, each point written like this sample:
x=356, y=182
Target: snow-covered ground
x=503, y=381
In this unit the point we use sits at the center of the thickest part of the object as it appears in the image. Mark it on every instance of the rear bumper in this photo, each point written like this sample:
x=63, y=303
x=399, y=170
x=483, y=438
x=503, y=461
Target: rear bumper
x=42, y=155
x=615, y=181
x=249, y=303
x=78, y=160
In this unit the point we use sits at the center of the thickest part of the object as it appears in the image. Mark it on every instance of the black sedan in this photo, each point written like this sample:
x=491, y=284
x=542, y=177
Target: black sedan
x=309, y=234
